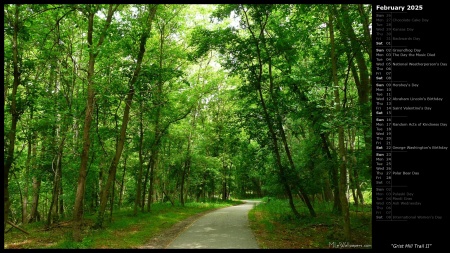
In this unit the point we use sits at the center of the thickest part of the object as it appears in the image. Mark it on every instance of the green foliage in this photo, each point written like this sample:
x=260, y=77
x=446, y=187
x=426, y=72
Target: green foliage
x=216, y=83
x=68, y=243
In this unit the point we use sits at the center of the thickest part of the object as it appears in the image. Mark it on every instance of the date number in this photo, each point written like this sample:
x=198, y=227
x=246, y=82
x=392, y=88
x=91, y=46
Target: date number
x=414, y=7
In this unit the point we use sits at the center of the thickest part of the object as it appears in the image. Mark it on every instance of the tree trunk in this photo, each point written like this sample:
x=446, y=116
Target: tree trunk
x=122, y=186
x=269, y=122
x=352, y=188
x=285, y=144
x=187, y=162
x=366, y=24
x=78, y=206
x=157, y=131
x=57, y=169
x=342, y=164
x=137, y=202
x=14, y=119
x=363, y=86
x=28, y=164
x=116, y=158
x=358, y=187
x=60, y=194
x=123, y=128
x=144, y=190
x=111, y=201
x=34, y=215
x=328, y=194
x=54, y=199
x=279, y=125
x=59, y=208
x=93, y=52
x=334, y=177
x=152, y=163
x=183, y=175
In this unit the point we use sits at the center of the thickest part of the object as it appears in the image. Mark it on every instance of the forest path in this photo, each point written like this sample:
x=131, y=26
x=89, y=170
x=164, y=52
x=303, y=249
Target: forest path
x=225, y=228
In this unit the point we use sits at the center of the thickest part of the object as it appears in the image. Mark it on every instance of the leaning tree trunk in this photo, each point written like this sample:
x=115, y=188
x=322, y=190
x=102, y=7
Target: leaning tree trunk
x=123, y=129
x=285, y=144
x=258, y=74
x=363, y=80
x=93, y=52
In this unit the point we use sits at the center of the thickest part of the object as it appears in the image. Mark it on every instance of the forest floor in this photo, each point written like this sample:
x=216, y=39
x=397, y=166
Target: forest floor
x=278, y=229
x=271, y=230
x=146, y=230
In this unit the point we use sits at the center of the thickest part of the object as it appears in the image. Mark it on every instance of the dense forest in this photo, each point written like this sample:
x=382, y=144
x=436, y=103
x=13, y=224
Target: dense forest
x=108, y=106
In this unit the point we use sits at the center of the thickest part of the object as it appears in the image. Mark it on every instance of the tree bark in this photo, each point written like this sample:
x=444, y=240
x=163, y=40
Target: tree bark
x=367, y=36
x=268, y=119
x=54, y=199
x=137, y=202
x=284, y=140
x=93, y=52
x=14, y=118
x=78, y=206
x=152, y=163
x=28, y=164
x=34, y=215
x=334, y=177
x=157, y=131
x=363, y=86
x=342, y=163
x=122, y=186
x=123, y=128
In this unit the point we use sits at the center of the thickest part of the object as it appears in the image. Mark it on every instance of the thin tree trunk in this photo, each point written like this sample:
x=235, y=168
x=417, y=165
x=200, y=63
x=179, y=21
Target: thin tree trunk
x=337, y=208
x=111, y=202
x=122, y=181
x=328, y=195
x=285, y=144
x=157, y=131
x=34, y=214
x=57, y=183
x=183, y=175
x=363, y=85
x=366, y=24
x=60, y=194
x=59, y=208
x=14, y=118
x=78, y=206
x=93, y=52
x=342, y=163
x=54, y=201
x=36, y=184
x=352, y=188
x=187, y=162
x=144, y=190
x=152, y=163
x=137, y=202
x=123, y=129
x=115, y=161
x=27, y=171
x=268, y=120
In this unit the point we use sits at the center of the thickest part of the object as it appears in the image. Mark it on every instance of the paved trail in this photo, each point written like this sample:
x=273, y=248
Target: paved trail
x=226, y=228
